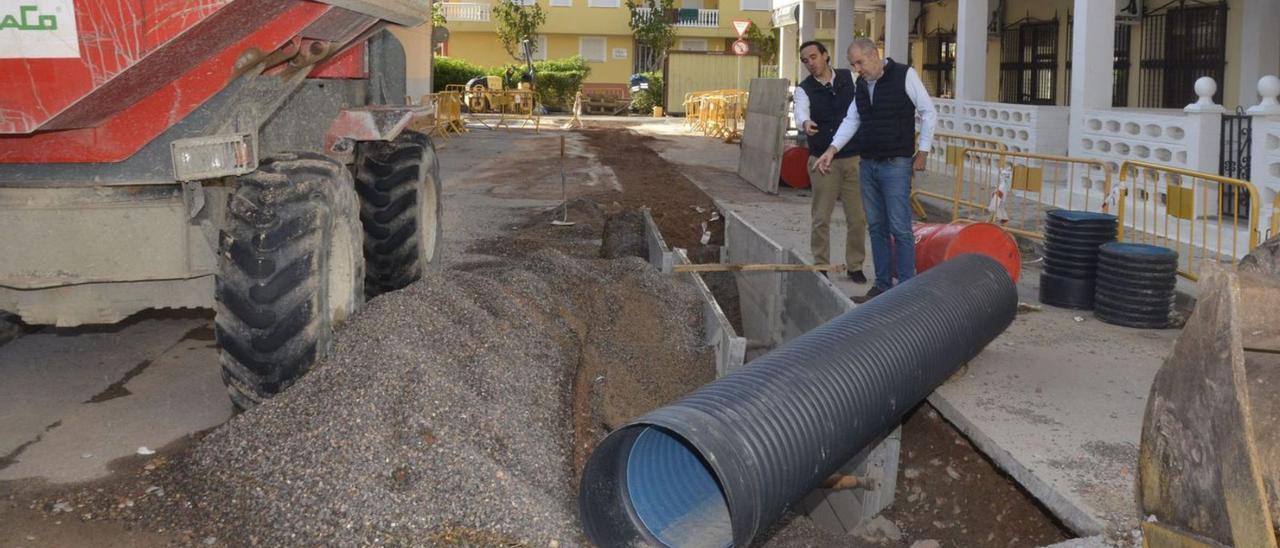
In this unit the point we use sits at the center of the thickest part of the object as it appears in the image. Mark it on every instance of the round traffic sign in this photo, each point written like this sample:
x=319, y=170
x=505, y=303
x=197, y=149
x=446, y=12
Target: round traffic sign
x=741, y=47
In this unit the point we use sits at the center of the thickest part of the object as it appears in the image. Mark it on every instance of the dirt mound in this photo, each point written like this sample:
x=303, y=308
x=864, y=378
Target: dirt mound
x=443, y=411
x=624, y=236
x=681, y=210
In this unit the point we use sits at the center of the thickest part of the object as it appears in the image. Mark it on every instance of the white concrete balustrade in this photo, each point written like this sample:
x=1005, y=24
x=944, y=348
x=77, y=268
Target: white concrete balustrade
x=1266, y=162
x=457, y=12
x=1265, y=154
x=1164, y=136
x=1023, y=128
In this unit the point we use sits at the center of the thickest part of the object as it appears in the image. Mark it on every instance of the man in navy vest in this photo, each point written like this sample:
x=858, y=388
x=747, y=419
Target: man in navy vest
x=821, y=102
x=881, y=126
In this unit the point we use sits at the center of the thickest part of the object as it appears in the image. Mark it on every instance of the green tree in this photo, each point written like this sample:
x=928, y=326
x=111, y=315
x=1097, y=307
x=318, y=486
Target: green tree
x=517, y=23
x=651, y=23
x=437, y=15
x=764, y=44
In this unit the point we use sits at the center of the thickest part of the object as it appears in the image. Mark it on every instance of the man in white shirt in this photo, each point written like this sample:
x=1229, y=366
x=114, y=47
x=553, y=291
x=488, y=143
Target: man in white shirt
x=880, y=125
x=821, y=102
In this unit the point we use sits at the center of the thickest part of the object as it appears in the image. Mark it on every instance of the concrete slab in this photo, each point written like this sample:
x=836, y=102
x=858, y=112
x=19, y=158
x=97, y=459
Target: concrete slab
x=660, y=256
x=75, y=399
x=809, y=300
x=730, y=349
x=1056, y=402
x=760, y=291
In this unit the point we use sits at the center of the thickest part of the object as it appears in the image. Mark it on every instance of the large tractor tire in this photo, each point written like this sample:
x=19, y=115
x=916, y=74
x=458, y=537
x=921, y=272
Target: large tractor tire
x=400, y=207
x=289, y=270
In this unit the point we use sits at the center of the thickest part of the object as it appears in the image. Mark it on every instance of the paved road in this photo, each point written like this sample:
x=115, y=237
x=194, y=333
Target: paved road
x=73, y=400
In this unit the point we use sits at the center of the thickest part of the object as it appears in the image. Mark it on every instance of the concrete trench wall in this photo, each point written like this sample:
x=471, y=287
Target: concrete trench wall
x=777, y=307
x=730, y=349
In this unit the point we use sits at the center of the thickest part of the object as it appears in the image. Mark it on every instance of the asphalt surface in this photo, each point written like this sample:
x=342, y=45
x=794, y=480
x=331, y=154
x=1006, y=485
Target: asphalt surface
x=74, y=400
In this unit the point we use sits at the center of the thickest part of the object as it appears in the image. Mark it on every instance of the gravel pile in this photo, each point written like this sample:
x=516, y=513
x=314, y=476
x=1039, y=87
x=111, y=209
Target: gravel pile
x=454, y=411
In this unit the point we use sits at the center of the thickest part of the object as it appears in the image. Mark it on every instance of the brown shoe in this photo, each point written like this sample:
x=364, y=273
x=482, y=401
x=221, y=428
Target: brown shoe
x=871, y=294
x=857, y=277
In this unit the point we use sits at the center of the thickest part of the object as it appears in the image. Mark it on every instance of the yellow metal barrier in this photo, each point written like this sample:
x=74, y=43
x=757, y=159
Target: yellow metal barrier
x=692, y=112
x=1015, y=189
x=1199, y=215
x=445, y=117
x=944, y=158
x=515, y=104
x=448, y=113
x=1275, y=218
x=717, y=113
x=944, y=155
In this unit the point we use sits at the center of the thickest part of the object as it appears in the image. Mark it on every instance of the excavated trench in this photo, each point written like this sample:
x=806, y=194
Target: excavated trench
x=462, y=409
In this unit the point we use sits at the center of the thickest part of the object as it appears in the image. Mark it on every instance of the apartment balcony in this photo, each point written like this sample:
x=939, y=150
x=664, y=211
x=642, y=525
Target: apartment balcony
x=459, y=12
x=689, y=18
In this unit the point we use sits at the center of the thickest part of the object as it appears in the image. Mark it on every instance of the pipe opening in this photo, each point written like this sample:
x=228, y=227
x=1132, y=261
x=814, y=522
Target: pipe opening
x=674, y=493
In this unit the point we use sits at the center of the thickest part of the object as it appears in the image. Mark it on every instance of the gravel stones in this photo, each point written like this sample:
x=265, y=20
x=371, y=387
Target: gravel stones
x=445, y=412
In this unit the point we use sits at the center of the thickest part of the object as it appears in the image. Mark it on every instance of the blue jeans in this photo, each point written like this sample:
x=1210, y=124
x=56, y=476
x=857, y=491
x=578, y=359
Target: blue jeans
x=886, y=196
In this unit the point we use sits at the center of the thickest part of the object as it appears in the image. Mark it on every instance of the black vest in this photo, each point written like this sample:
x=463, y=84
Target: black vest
x=827, y=108
x=887, y=127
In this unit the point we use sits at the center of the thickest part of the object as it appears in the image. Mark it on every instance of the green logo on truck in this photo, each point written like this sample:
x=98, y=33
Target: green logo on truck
x=23, y=20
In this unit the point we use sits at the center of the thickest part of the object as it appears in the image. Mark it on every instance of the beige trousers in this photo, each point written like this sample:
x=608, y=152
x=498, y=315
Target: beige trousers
x=841, y=183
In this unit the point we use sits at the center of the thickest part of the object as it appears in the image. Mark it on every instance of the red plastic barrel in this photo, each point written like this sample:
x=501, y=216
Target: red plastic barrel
x=936, y=243
x=795, y=167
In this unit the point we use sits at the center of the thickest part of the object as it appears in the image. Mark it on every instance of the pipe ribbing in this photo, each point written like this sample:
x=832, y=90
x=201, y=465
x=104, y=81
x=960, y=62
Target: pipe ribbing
x=720, y=465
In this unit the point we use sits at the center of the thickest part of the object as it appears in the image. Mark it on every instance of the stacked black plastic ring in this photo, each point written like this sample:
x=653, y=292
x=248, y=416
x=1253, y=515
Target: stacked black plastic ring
x=1135, y=285
x=1071, y=243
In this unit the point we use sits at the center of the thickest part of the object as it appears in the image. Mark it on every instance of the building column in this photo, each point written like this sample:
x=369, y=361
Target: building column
x=788, y=56
x=971, y=50
x=844, y=33
x=897, y=29
x=1093, y=52
x=1093, y=43
x=808, y=21
x=1259, y=47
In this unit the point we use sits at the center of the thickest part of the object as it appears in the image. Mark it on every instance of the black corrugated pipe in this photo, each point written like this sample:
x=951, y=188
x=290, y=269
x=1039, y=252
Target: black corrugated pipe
x=720, y=465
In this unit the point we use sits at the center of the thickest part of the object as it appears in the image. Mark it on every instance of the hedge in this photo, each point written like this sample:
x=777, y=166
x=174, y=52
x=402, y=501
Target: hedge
x=448, y=70
x=558, y=79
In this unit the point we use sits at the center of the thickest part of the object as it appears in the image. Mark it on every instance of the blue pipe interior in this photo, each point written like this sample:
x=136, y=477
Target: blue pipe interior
x=674, y=492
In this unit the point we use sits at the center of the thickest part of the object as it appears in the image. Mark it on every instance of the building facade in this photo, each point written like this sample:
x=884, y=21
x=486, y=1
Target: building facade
x=598, y=31
x=1109, y=80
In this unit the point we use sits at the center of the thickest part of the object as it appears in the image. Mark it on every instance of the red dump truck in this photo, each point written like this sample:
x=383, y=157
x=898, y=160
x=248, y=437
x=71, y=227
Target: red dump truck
x=249, y=156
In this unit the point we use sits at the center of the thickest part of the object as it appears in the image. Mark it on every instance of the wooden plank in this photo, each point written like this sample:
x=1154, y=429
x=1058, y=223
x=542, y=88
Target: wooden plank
x=760, y=160
x=758, y=267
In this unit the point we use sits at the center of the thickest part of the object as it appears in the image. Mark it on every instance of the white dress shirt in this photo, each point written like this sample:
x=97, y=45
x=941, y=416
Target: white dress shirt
x=801, y=104
x=919, y=96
